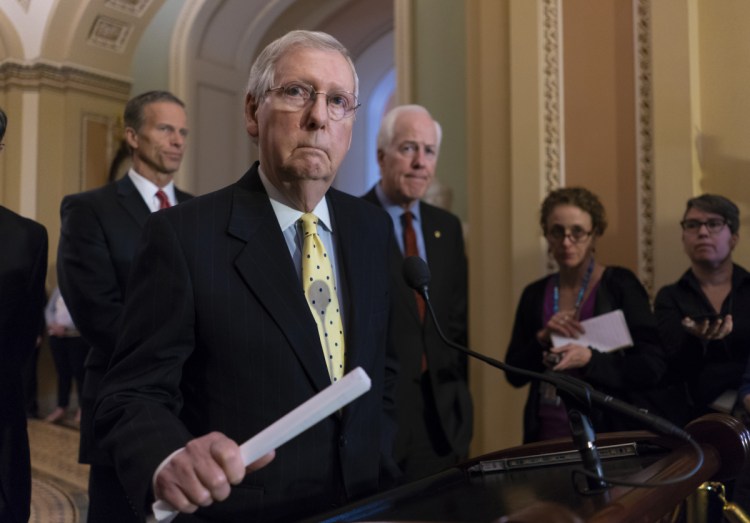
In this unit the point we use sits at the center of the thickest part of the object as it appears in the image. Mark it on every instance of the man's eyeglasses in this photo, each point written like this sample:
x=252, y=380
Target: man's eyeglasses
x=576, y=234
x=713, y=225
x=341, y=104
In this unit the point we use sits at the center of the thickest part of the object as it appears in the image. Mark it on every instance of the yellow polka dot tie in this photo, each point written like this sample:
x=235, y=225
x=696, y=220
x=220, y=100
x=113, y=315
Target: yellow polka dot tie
x=320, y=290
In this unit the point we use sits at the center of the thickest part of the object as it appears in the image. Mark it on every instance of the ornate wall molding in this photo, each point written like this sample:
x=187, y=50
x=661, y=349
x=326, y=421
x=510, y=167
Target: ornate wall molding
x=552, y=109
x=62, y=77
x=553, y=148
x=553, y=121
x=644, y=141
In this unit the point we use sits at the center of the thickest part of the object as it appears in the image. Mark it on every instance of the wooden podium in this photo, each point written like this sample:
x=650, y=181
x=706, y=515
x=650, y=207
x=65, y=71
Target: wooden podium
x=535, y=483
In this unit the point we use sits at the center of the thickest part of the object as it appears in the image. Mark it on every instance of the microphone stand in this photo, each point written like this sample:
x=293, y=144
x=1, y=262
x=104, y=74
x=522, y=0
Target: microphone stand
x=577, y=397
x=579, y=393
x=584, y=440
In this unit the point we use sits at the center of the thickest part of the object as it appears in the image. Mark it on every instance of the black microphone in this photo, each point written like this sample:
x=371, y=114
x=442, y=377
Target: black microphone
x=417, y=276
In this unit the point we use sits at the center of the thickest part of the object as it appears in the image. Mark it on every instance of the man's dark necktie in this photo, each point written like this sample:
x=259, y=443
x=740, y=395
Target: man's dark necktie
x=163, y=200
x=410, y=249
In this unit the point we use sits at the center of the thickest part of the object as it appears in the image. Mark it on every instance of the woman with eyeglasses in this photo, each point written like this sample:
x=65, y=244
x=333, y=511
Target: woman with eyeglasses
x=572, y=221
x=707, y=349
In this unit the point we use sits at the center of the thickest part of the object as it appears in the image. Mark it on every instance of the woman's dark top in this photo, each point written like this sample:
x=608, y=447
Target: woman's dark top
x=707, y=368
x=630, y=374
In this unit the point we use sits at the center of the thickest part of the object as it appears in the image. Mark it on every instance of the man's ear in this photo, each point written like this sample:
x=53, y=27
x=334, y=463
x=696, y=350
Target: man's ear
x=380, y=156
x=131, y=138
x=251, y=119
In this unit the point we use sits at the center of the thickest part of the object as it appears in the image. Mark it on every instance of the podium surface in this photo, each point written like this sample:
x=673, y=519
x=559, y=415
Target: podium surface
x=536, y=482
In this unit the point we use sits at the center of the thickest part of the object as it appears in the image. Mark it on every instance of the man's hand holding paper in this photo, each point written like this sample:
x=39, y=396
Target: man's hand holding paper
x=203, y=472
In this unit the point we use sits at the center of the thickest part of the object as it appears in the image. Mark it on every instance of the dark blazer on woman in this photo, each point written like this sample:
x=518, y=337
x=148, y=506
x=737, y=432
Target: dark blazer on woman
x=217, y=336
x=632, y=374
x=23, y=269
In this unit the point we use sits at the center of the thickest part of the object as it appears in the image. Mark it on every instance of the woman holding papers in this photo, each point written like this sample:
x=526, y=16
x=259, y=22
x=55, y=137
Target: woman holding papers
x=698, y=316
x=555, y=306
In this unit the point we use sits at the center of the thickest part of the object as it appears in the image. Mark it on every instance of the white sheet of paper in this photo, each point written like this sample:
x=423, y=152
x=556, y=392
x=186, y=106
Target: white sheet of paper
x=320, y=406
x=605, y=333
x=725, y=401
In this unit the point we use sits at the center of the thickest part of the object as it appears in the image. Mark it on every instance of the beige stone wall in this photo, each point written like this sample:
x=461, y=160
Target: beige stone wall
x=722, y=136
x=61, y=137
x=699, y=74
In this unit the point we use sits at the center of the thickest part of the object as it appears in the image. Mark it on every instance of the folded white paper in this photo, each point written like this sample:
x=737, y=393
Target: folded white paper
x=605, y=333
x=320, y=406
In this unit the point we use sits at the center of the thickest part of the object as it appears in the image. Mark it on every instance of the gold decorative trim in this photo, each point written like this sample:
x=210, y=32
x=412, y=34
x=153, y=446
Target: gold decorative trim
x=644, y=142
x=37, y=75
x=552, y=105
x=110, y=33
x=553, y=130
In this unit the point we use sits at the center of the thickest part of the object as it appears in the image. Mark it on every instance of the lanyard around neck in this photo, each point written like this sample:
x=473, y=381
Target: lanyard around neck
x=581, y=292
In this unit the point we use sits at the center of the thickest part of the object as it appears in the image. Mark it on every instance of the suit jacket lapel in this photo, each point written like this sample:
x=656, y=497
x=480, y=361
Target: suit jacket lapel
x=434, y=245
x=131, y=200
x=352, y=256
x=268, y=270
x=181, y=196
x=396, y=259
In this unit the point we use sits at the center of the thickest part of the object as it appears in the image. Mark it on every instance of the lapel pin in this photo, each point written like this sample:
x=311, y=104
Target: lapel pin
x=438, y=234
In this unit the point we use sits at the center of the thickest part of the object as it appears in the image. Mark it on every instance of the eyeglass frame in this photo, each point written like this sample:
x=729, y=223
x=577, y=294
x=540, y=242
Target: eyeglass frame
x=700, y=224
x=568, y=234
x=312, y=94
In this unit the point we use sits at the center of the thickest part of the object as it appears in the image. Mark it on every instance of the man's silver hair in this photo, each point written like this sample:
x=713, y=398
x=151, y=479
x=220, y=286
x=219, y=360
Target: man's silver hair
x=385, y=134
x=263, y=71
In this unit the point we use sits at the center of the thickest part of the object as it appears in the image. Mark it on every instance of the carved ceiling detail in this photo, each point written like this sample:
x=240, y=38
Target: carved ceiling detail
x=110, y=33
x=131, y=7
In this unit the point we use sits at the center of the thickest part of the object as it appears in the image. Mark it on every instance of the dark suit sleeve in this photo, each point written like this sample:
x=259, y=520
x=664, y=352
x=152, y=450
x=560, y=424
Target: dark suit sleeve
x=22, y=294
x=86, y=274
x=136, y=418
x=389, y=471
x=457, y=319
x=37, y=290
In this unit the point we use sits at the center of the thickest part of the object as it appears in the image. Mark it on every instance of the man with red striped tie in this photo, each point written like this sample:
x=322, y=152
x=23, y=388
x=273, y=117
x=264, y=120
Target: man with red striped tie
x=100, y=232
x=433, y=404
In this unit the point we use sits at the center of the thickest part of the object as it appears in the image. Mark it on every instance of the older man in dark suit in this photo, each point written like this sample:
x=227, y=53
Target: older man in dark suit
x=100, y=230
x=23, y=269
x=434, y=408
x=221, y=336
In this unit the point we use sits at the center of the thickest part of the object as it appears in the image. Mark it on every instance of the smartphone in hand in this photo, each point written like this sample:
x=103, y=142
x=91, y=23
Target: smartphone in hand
x=700, y=318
